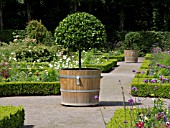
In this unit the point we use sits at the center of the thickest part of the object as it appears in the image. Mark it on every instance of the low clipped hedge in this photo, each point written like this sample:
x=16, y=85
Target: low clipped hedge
x=118, y=120
x=107, y=66
x=35, y=64
x=148, y=56
x=11, y=117
x=29, y=88
x=119, y=58
x=145, y=64
x=148, y=89
x=112, y=56
x=33, y=70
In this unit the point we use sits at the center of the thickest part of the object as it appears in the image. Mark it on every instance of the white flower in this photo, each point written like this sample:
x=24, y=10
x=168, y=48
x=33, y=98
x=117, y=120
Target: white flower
x=15, y=40
x=12, y=53
x=167, y=123
x=64, y=57
x=50, y=65
x=30, y=72
x=145, y=118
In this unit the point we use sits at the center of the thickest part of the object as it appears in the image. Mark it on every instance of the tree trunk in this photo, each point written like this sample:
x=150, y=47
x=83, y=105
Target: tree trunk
x=122, y=19
x=28, y=12
x=166, y=19
x=1, y=19
x=79, y=59
x=75, y=7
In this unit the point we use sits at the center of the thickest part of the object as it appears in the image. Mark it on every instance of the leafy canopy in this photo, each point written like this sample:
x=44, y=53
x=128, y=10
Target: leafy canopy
x=80, y=31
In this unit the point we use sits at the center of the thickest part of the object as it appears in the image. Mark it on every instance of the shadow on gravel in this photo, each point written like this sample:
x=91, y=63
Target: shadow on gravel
x=116, y=103
x=28, y=126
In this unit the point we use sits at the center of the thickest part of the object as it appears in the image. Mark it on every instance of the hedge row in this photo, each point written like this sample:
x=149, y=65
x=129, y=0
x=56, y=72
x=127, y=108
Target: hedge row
x=150, y=89
x=144, y=88
x=11, y=117
x=107, y=66
x=118, y=57
x=145, y=64
x=29, y=88
x=118, y=120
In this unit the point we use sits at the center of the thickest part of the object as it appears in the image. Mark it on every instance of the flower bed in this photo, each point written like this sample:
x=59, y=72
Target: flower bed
x=133, y=116
x=154, y=72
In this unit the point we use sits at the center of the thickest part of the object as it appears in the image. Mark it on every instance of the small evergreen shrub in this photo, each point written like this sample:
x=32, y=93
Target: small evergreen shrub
x=36, y=30
x=132, y=40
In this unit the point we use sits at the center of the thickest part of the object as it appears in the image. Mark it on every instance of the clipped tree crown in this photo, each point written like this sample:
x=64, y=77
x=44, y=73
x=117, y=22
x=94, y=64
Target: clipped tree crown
x=80, y=31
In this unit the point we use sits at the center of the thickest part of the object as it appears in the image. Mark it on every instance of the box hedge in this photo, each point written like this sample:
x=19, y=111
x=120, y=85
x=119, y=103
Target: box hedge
x=11, y=117
x=148, y=89
x=29, y=88
x=107, y=66
x=118, y=120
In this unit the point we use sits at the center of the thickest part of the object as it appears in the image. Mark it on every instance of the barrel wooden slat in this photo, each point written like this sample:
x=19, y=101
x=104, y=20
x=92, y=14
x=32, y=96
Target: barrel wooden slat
x=83, y=94
x=131, y=56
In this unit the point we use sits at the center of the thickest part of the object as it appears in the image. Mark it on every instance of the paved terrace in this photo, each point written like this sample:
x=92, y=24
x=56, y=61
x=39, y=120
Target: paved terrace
x=47, y=112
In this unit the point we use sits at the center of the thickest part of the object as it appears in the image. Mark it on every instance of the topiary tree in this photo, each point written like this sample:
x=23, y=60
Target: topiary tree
x=36, y=30
x=132, y=40
x=80, y=31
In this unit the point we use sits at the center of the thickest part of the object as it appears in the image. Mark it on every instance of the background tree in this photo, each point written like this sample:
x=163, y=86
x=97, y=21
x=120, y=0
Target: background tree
x=2, y=4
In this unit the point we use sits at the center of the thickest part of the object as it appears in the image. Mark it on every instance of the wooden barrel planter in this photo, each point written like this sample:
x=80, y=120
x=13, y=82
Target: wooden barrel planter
x=131, y=56
x=80, y=87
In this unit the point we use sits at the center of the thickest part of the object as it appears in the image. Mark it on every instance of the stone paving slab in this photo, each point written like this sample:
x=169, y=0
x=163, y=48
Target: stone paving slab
x=47, y=112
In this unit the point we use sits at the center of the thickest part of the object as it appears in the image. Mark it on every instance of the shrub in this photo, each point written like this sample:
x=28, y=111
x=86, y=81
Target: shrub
x=132, y=40
x=104, y=67
x=36, y=30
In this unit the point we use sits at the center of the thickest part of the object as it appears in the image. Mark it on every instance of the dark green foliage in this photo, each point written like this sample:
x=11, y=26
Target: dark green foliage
x=6, y=36
x=12, y=117
x=150, y=39
x=132, y=40
x=29, y=88
x=80, y=31
x=36, y=30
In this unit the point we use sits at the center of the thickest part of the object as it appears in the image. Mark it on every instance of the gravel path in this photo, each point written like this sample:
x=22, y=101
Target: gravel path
x=47, y=112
